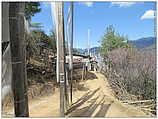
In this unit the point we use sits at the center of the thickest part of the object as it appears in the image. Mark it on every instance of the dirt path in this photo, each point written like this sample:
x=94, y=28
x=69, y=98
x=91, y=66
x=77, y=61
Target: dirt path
x=99, y=101
x=93, y=99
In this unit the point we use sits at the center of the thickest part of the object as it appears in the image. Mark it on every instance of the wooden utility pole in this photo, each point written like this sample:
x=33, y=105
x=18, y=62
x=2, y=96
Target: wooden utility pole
x=19, y=82
x=61, y=54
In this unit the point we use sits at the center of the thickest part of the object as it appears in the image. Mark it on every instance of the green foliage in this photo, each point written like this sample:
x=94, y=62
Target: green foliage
x=32, y=41
x=36, y=25
x=112, y=40
x=38, y=38
x=43, y=37
x=31, y=8
x=52, y=41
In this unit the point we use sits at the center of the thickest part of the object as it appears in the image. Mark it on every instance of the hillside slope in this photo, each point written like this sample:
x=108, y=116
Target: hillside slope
x=144, y=42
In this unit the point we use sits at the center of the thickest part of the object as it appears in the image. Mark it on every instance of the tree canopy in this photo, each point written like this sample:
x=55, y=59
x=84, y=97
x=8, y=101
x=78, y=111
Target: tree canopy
x=31, y=8
x=112, y=40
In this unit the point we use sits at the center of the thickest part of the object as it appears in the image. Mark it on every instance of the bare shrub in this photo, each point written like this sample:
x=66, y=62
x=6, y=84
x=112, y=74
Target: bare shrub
x=133, y=72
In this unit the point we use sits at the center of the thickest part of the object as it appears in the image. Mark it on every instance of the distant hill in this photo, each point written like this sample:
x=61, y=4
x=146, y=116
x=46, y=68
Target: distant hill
x=93, y=50
x=81, y=51
x=150, y=48
x=144, y=42
x=147, y=43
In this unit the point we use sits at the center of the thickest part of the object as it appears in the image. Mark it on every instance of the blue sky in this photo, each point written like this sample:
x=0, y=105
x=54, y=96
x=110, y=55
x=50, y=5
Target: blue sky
x=134, y=19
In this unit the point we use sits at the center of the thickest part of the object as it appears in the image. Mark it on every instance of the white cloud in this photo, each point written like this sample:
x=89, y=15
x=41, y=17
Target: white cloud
x=150, y=14
x=89, y=4
x=123, y=4
x=46, y=5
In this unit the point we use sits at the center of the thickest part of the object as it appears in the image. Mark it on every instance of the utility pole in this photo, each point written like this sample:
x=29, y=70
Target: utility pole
x=71, y=52
x=88, y=41
x=61, y=54
x=19, y=83
x=70, y=49
x=54, y=10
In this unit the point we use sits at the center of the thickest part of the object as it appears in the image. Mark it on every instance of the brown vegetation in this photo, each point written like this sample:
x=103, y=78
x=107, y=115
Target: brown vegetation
x=132, y=74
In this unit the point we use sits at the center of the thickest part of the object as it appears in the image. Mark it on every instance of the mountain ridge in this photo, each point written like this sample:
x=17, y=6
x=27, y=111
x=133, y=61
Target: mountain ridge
x=141, y=43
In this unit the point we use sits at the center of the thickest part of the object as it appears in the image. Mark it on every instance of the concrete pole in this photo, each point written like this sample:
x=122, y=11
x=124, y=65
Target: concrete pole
x=61, y=54
x=88, y=41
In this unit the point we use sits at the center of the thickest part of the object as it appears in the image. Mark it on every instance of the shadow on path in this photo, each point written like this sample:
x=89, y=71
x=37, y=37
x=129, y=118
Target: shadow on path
x=90, y=76
x=82, y=100
x=85, y=111
x=89, y=110
x=103, y=110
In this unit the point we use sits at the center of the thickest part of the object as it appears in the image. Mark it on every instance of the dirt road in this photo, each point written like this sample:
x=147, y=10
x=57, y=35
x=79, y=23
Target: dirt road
x=93, y=99
x=99, y=101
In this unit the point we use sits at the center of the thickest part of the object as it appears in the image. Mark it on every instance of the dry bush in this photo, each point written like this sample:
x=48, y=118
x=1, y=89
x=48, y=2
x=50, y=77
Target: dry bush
x=133, y=72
